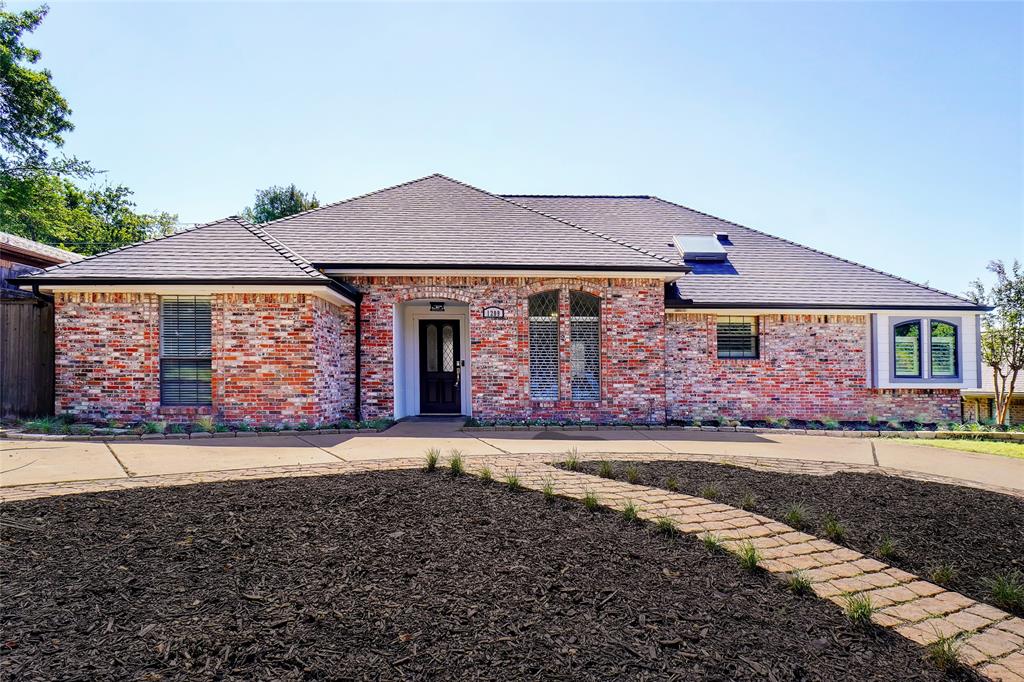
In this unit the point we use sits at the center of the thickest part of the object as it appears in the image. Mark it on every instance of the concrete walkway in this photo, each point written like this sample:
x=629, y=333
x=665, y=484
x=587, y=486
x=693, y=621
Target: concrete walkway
x=33, y=462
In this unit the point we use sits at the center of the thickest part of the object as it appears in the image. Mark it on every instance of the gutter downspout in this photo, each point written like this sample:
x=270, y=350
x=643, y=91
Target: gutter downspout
x=357, y=405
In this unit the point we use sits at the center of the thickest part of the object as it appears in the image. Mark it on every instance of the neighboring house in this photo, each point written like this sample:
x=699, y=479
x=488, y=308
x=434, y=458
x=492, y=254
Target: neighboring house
x=434, y=297
x=26, y=329
x=979, y=404
x=20, y=256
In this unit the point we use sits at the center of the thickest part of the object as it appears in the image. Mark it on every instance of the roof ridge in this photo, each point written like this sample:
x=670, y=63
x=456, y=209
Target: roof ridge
x=125, y=247
x=614, y=240
x=577, y=196
x=345, y=201
x=819, y=252
x=280, y=247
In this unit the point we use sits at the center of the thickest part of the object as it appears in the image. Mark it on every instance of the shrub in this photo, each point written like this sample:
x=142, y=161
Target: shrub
x=243, y=426
x=665, y=526
x=548, y=490
x=632, y=474
x=572, y=460
x=512, y=481
x=749, y=501
x=204, y=423
x=797, y=583
x=456, y=464
x=1007, y=590
x=833, y=529
x=176, y=428
x=859, y=608
x=945, y=652
x=943, y=574
x=590, y=501
x=697, y=422
x=830, y=424
x=709, y=492
x=749, y=556
x=712, y=542
x=47, y=425
x=304, y=426
x=605, y=469
x=630, y=512
x=432, y=456
x=887, y=548
x=895, y=425
x=80, y=429
x=154, y=427
x=873, y=419
x=672, y=483
x=221, y=428
x=796, y=515
x=485, y=475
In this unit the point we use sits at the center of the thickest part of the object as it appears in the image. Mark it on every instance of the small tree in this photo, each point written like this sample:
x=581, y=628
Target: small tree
x=278, y=202
x=1002, y=338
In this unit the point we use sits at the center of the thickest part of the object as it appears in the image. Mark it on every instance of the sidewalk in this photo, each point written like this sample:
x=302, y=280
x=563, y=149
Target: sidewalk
x=24, y=462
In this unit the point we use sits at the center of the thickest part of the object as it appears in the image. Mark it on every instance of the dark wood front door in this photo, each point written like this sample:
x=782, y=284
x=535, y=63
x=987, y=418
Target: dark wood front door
x=440, y=367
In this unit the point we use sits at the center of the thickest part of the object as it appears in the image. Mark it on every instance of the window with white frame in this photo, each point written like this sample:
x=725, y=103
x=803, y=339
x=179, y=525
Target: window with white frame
x=543, y=318
x=585, y=345
x=185, y=368
x=737, y=337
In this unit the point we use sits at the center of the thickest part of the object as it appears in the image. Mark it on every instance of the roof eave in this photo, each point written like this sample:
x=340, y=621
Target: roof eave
x=682, y=304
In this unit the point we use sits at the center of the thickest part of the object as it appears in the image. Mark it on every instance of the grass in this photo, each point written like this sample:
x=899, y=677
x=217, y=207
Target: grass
x=1007, y=590
x=859, y=609
x=572, y=460
x=984, y=447
x=672, y=483
x=797, y=583
x=512, y=481
x=833, y=529
x=632, y=474
x=943, y=574
x=432, y=457
x=750, y=558
x=887, y=548
x=590, y=501
x=204, y=423
x=712, y=542
x=710, y=492
x=45, y=425
x=456, y=463
x=664, y=526
x=749, y=501
x=605, y=469
x=548, y=490
x=631, y=512
x=486, y=475
x=945, y=652
x=796, y=515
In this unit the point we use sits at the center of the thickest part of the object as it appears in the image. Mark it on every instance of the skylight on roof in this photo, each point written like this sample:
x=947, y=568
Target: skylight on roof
x=700, y=248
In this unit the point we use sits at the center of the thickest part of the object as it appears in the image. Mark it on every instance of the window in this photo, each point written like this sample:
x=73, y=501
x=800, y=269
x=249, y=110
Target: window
x=737, y=337
x=906, y=340
x=585, y=345
x=543, y=313
x=943, y=349
x=185, y=350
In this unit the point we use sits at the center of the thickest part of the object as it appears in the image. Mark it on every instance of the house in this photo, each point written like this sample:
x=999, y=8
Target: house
x=21, y=256
x=979, y=403
x=435, y=297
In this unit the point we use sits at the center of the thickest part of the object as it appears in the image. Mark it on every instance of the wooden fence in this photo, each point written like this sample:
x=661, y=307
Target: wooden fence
x=26, y=357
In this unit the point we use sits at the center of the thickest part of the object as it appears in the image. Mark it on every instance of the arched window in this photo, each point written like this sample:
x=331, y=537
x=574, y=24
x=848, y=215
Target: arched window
x=585, y=344
x=944, y=352
x=906, y=349
x=543, y=313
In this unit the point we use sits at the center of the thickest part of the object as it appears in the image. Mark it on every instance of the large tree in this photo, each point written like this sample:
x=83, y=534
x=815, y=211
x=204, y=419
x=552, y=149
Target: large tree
x=278, y=202
x=38, y=200
x=1002, y=338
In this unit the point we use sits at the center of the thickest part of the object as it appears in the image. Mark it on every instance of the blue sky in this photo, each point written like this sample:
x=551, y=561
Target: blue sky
x=890, y=134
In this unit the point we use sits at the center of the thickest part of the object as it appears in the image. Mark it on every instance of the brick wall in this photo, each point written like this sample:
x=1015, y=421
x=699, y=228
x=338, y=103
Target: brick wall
x=811, y=367
x=276, y=358
x=632, y=338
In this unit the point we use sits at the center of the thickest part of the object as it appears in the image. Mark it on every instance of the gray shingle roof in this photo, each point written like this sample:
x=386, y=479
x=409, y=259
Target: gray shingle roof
x=44, y=251
x=229, y=249
x=762, y=270
x=436, y=221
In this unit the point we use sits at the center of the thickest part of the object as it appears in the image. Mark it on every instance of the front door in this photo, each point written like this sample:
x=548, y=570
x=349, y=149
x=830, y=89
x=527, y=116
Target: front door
x=440, y=367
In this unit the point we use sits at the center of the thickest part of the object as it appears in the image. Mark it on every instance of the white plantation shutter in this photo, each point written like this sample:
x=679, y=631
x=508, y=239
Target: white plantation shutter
x=185, y=343
x=543, y=312
x=585, y=354
x=943, y=347
x=907, y=349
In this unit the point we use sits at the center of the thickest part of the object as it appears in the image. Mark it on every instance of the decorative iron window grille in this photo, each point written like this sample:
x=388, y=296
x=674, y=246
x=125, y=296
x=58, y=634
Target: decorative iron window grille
x=185, y=350
x=543, y=314
x=738, y=337
x=585, y=340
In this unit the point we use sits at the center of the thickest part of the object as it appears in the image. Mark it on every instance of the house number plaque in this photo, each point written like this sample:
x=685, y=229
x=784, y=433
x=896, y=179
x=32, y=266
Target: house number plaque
x=494, y=313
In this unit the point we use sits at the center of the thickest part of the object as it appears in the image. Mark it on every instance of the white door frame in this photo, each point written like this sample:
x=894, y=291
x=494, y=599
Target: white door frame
x=407, y=353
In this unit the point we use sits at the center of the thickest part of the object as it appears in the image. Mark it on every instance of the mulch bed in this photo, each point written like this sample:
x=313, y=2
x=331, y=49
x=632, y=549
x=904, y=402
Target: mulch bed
x=397, y=575
x=978, y=532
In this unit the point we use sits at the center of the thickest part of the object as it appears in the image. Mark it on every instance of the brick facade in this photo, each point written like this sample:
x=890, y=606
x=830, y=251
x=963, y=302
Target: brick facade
x=632, y=345
x=276, y=358
x=288, y=358
x=810, y=367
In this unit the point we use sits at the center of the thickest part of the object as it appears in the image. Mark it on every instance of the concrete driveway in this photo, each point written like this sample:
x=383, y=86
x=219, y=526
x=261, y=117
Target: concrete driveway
x=30, y=462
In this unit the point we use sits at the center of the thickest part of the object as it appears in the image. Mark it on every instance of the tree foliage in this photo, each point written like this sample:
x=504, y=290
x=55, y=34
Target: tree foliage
x=278, y=202
x=1002, y=339
x=37, y=198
